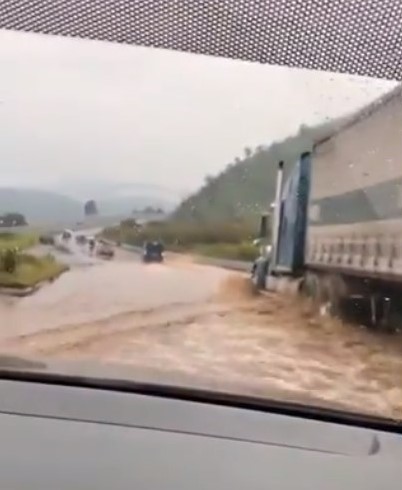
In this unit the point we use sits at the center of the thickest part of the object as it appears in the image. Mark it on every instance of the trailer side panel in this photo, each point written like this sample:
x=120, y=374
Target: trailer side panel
x=355, y=203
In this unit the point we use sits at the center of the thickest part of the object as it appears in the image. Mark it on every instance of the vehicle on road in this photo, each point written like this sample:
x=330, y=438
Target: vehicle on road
x=91, y=244
x=46, y=240
x=67, y=235
x=105, y=250
x=338, y=227
x=153, y=252
x=81, y=240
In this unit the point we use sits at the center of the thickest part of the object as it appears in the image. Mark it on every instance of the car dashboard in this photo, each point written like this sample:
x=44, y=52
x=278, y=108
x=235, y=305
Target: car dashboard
x=73, y=437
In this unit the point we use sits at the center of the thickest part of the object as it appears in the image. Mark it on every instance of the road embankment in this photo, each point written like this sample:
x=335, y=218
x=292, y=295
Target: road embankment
x=23, y=272
x=234, y=265
x=30, y=273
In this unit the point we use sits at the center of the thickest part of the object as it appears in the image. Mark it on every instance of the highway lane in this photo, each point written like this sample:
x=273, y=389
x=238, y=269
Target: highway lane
x=200, y=321
x=180, y=317
x=95, y=289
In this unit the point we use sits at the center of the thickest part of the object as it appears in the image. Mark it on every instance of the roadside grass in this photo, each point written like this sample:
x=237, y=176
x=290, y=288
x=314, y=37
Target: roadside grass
x=21, y=241
x=31, y=270
x=246, y=252
x=226, y=240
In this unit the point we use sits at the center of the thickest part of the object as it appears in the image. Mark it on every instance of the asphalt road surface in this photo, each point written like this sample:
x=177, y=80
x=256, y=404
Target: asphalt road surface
x=95, y=289
x=204, y=322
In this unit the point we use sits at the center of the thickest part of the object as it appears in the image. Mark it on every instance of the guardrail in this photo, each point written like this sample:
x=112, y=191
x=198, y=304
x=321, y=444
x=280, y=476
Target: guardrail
x=234, y=265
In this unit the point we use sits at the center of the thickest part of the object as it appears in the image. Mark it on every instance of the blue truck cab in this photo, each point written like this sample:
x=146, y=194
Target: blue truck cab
x=286, y=256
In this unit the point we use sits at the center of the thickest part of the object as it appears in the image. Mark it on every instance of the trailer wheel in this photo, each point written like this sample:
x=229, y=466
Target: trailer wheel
x=309, y=286
x=324, y=290
x=334, y=292
x=386, y=314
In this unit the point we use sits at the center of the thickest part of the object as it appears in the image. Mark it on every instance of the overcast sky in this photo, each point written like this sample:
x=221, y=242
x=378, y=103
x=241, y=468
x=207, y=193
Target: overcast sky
x=71, y=108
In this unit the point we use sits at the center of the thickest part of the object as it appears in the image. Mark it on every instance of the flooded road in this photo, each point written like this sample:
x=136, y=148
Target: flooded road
x=95, y=289
x=204, y=322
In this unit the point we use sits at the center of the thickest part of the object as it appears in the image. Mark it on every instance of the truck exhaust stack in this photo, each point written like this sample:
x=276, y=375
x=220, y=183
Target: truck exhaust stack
x=277, y=214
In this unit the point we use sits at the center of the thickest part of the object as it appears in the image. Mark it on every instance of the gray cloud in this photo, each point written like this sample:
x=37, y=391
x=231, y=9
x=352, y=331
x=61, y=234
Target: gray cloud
x=79, y=108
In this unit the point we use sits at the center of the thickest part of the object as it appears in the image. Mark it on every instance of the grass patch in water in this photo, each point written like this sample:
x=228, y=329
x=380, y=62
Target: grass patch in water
x=31, y=271
x=21, y=241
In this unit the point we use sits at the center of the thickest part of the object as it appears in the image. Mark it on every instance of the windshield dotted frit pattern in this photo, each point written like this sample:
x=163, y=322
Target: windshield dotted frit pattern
x=353, y=36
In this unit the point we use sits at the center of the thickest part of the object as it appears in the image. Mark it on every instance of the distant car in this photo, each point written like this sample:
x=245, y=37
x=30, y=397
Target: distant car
x=153, y=252
x=46, y=239
x=81, y=239
x=67, y=235
x=105, y=250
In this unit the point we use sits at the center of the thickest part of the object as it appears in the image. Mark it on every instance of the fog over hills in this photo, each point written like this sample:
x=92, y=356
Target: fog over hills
x=38, y=205
x=65, y=199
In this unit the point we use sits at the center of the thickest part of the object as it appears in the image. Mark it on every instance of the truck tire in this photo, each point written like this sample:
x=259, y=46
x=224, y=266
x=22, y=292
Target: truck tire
x=259, y=275
x=328, y=290
x=309, y=287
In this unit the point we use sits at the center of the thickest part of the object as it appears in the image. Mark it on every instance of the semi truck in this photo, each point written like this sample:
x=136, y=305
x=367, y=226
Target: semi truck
x=337, y=227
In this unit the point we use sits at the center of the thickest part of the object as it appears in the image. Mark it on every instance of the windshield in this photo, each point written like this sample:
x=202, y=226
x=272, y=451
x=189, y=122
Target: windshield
x=233, y=222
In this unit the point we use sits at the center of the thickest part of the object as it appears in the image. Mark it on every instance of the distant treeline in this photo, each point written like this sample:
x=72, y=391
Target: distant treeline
x=9, y=220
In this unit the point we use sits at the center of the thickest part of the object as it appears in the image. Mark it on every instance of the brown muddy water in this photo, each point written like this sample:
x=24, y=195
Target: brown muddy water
x=202, y=321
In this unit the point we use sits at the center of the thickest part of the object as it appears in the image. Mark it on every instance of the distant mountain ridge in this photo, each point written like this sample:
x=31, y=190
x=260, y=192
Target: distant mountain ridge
x=105, y=189
x=124, y=205
x=46, y=206
x=120, y=197
x=39, y=206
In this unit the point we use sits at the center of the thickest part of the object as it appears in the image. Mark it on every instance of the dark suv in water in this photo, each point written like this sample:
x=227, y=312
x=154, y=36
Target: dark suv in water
x=153, y=252
x=46, y=240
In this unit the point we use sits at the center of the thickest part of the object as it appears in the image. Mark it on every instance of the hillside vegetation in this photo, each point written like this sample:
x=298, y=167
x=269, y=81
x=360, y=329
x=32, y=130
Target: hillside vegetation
x=226, y=240
x=222, y=218
x=247, y=186
x=43, y=206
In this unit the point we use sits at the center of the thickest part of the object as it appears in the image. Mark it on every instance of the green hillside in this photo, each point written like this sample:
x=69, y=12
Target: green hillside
x=247, y=186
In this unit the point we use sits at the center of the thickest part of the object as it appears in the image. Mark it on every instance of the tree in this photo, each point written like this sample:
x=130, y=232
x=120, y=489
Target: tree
x=208, y=179
x=129, y=223
x=12, y=219
x=90, y=208
x=248, y=152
